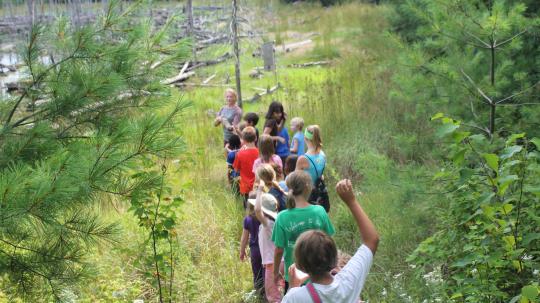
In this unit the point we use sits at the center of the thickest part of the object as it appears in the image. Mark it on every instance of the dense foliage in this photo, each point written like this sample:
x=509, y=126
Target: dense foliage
x=91, y=123
x=478, y=62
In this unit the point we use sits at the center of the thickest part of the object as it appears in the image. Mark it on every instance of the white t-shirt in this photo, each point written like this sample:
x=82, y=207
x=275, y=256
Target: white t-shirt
x=347, y=284
x=266, y=245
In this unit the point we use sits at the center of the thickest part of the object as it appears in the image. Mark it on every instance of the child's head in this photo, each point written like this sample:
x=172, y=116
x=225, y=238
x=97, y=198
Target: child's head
x=230, y=96
x=250, y=210
x=297, y=124
x=278, y=170
x=275, y=111
x=249, y=135
x=251, y=119
x=266, y=148
x=313, y=136
x=266, y=173
x=342, y=260
x=299, y=184
x=234, y=142
x=290, y=164
x=315, y=253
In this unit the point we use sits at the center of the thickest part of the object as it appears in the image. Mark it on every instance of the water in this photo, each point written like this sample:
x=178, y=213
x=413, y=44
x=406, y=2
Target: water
x=8, y=58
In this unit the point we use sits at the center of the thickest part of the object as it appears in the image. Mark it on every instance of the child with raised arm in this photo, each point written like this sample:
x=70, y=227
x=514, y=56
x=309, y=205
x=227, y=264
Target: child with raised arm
x=316, y=254
x=299, y=217
x=266, y=208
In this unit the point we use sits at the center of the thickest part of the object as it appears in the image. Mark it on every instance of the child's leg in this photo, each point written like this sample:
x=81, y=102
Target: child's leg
x=257, y=268
x=273, y=293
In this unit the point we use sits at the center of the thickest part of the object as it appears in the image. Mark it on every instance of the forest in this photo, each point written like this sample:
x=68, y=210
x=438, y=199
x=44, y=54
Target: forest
x=113, y=181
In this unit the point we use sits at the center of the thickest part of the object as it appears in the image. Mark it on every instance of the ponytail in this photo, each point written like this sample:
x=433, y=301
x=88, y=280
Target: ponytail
x=299, y=184
x=290, y=203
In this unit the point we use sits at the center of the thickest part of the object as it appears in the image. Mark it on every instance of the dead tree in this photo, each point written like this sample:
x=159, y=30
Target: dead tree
x=236, y=51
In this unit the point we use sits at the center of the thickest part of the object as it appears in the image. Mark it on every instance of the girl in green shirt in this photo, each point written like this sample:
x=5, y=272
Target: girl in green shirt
x=299, y=217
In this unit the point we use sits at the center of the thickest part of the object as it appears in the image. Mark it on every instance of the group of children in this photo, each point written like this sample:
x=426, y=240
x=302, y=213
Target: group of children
x=287, y=233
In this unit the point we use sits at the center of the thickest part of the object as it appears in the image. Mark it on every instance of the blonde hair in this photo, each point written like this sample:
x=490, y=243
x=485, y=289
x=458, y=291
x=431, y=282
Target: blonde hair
x=299, y=123
x=266, y=173
x=266, y=148
x=316, y=140
x=231, y=91
x=299, y=184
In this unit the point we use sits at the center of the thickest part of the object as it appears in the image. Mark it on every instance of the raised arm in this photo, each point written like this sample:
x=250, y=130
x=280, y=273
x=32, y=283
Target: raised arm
x=258, y=205
x=369, y=234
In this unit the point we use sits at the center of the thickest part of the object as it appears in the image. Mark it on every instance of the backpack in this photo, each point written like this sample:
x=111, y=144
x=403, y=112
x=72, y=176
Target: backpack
x=319, y=194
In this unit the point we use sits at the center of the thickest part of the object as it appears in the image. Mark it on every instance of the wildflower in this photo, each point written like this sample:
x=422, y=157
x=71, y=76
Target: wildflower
x=536, y=272
x=413, y=266
x=384, y=292
x=396, y=276
x=527, y=257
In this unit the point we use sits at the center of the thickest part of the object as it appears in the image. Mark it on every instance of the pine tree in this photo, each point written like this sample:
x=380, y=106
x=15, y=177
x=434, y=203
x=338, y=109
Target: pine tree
x=91, y=116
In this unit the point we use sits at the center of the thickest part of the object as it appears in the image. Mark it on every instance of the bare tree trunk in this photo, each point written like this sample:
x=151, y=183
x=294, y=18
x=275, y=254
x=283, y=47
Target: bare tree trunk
x=189, y=12
x=236, y=52
x=31, y=11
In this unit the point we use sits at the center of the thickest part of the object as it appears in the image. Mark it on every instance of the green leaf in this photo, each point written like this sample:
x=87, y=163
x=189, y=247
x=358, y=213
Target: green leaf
x=465, y=174
x=514, y=137
x=459, y=157
x=515, y=299
x=510, y=151
x=536, y=142
x=530, y=292
x=437, y=116
x=505, y=182
x=459, y=136
x=446, y=129
x=492, y=161
x=507, y=208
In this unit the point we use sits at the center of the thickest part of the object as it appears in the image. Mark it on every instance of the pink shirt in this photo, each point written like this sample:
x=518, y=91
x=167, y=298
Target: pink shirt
x=275, y=159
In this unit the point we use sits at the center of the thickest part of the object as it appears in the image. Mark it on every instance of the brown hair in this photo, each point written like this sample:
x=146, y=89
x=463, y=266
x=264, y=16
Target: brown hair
x=299, y=183
x=249, y=135
x=266, y=148
x=316, y=131
x=266, y=173
x=315, y=253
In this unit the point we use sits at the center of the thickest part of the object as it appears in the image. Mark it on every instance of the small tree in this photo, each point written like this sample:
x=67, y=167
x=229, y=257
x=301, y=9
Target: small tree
x=91, y=116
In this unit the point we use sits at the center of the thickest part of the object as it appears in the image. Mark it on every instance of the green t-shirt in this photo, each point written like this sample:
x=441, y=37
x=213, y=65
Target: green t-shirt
x=291, y=223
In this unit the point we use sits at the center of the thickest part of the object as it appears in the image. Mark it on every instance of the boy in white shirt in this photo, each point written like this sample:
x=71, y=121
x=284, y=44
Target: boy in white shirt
x=316, y=254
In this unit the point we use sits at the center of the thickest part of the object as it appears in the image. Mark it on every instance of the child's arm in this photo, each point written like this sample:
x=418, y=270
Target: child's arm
x=258, y=205
x=243, y=244
x=294, y=145
x=368, y=232
x=278, y=254
x=302, y=163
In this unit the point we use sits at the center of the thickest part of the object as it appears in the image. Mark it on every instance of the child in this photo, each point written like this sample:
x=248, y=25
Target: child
x=297, y=145
x=275, y=120
x=282, y=147
x=314, y=162
x=289, y=167
x=229, y=115
x=299, y=217
x=252, y=119
x=251, y=233
x=266, y=212
x=266, y=153
x=233, y=175
x=243, y=162
x=316, y=254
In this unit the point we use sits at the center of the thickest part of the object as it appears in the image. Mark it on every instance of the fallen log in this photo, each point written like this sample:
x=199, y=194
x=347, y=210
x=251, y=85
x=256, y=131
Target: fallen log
x=308, y=64
x=11, y=68
x=209, y=78
x=178, y=78
x=185, y=84
x=258, y=96
x=286, y=48
x=209, y=62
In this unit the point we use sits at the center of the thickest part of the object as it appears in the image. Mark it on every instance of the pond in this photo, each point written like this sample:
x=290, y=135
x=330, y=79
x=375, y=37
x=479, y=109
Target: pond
x=8, y=59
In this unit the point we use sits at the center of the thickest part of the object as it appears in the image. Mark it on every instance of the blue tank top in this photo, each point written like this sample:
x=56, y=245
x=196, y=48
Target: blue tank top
x=299, y=136
x=320, y=162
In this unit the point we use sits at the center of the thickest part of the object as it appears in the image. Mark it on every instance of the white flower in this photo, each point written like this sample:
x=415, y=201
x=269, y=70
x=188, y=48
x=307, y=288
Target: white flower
x=474, y=271
x=527, y=257
x=536, y=272
x=413, y=266
x=396, y=276
x=384, y=292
